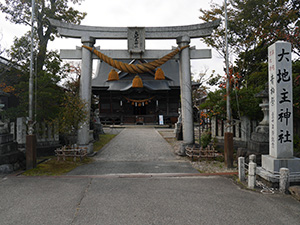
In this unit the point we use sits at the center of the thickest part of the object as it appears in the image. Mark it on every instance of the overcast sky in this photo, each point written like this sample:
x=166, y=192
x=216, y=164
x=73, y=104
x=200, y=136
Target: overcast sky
x=126, y=13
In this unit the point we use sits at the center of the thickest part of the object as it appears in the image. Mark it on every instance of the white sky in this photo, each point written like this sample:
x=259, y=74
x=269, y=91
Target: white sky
x=126, y=13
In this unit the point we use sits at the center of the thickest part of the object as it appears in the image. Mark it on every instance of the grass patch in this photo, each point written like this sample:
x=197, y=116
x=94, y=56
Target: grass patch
x=52, y=167
x=103, y=140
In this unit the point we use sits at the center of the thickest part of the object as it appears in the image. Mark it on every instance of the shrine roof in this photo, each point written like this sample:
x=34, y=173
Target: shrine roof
x=170, y=69
x=151, y=85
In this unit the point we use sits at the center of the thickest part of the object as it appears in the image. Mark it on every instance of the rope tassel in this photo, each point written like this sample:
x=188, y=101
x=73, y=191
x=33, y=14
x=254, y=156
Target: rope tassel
x=138, y=68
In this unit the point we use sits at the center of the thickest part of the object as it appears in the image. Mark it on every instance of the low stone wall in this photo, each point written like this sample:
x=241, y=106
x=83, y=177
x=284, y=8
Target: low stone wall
x=47, y=136
x=45, y=133
x=241, y=129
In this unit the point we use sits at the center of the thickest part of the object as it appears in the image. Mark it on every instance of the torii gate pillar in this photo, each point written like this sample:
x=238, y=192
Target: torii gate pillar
x=186, y=91
x=85, y=92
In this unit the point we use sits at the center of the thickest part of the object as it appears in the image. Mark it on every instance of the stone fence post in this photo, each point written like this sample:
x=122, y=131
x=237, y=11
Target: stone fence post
x=252, y=172
x=241, y=165
x=284, y=180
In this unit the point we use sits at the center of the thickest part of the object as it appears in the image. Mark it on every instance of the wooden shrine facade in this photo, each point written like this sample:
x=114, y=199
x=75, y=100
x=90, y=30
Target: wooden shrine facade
x=114, y=108
x=121, y=103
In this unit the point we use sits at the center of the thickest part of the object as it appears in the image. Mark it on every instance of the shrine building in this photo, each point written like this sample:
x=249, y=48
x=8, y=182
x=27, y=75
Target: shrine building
x=126, y=98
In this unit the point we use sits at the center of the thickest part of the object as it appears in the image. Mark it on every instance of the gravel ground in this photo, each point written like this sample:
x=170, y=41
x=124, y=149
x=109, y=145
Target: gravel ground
x=203, y=165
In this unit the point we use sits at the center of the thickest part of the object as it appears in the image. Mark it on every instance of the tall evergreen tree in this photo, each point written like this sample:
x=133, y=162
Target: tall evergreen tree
x=48, y=67
x=19, y=12
x=253, y=26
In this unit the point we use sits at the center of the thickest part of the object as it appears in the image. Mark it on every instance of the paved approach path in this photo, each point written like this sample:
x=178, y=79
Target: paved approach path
x=136, y=151
x=123, y=200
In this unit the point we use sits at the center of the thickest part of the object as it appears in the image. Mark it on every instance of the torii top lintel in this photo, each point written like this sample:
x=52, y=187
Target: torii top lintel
x=170, y=32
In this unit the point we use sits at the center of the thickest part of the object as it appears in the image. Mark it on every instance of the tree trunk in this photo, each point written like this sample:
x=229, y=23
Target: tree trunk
x=42, y=50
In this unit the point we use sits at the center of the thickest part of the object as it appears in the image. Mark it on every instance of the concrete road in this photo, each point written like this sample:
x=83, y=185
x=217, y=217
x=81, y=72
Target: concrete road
x=94, y=194
x=85, y=200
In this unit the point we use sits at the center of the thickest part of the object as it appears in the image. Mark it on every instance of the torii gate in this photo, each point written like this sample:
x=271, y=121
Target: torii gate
x=136, y=37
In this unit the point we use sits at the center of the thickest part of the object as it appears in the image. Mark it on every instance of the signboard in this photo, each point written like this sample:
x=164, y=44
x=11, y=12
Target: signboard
x=280, y=100
x=136, y=39
x=161, y=119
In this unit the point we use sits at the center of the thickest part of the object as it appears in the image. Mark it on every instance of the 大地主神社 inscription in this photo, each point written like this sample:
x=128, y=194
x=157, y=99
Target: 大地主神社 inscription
x=281, y=100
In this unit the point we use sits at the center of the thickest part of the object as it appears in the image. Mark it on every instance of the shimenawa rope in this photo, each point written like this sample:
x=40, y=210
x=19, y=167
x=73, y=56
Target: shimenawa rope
x=138, y=68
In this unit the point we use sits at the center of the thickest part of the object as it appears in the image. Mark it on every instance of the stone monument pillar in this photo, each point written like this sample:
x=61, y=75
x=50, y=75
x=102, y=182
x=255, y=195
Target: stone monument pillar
x=280, y=113
x=85, y=92
x=186, y=91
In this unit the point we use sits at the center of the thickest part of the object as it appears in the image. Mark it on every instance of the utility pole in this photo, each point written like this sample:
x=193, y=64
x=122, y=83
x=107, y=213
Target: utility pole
x=31, y=138
x=228, y=137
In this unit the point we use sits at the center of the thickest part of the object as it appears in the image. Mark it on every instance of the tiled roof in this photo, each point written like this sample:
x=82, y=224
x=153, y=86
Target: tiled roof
x=170, y=68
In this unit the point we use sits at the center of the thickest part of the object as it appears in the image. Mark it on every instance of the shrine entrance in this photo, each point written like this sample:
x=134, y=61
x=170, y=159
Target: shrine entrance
x=140, y=110
x=137, y=68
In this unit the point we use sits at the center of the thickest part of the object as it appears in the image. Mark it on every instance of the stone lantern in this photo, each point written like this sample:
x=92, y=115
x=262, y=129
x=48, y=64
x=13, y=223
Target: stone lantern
x=261, y=133
x=259, y=143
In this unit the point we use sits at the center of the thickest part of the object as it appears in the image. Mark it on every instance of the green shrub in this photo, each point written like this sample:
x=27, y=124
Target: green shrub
x=205, y=138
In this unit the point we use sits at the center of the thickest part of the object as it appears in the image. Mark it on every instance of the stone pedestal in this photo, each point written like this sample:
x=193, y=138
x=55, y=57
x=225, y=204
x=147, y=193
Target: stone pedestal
x=258, y=145
x=10, y=158
x=273, y=165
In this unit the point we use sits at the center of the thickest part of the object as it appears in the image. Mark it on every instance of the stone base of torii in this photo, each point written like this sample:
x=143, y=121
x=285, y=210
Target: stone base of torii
x=136, y=37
